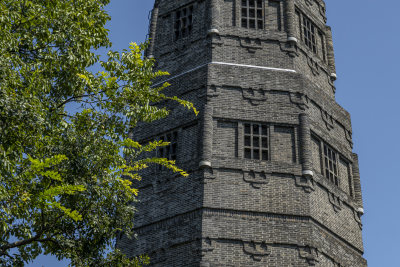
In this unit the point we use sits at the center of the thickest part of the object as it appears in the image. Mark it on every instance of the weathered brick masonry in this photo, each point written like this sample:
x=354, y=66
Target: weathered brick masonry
x=274, y=181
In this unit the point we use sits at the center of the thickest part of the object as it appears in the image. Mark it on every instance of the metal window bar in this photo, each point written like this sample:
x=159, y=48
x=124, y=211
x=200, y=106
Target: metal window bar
x=170, y=151
x=330, y=165
x=183, y=22
x=309, y=34
x=252, y=14
x=256, y=141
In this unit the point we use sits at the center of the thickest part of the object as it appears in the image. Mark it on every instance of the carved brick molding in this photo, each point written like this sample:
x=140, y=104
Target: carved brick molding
x=254, y=96
x=349, y=137
x=255, y=179
x=330, y=82
x=357, y=217
x=215, y=41
x=314, y=66
x=310, y=254
x=207, y=246
x=252, y=45
x=322, y=12
x=328, y=119
x=289, y=48
x=299, y=99
x=209, y=174
x=336, y=202
x=211, y=91
x=307, y=183
x=256, y=250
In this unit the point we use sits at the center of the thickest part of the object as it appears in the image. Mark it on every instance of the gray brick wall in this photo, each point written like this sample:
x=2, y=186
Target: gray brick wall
x=234, y=211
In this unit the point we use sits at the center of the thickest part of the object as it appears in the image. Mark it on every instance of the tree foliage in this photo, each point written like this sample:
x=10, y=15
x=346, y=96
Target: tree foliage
x=65, y=185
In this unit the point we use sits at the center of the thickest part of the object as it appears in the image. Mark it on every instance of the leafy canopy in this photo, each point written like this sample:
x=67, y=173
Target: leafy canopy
x=65, y=186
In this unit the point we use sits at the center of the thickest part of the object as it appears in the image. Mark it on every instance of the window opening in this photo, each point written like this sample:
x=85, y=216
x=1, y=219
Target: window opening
x=183, y=22
x=330, y=162
x=309, y=34
x=256, y=141
x=252, y=14
x=170, y=151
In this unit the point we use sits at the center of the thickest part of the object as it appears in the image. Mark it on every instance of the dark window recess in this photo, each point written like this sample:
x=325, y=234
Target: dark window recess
x=274, y=15
x=345, y=163
x=183, y=22
x=256, y=141
x=252, y=14
x=322, y=44
x=170, y=151
x=309, y=30
x=330, y=165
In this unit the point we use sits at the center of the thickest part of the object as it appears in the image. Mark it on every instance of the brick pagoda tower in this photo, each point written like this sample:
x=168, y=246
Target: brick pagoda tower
x=274, y=181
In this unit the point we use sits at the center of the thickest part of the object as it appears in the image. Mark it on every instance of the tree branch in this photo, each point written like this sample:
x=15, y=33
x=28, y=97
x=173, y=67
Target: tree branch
x=73, y=98
x=69, y=100
x=8, y=246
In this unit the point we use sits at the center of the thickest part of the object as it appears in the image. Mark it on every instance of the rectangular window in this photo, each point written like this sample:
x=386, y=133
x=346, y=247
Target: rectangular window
x=330, y=164
x=183, y=22
x=170, y=151
x=252, y=14
x=256, y=141
x=309, y=34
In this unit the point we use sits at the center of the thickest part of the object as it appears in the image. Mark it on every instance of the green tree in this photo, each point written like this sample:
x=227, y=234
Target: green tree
x=65, y=188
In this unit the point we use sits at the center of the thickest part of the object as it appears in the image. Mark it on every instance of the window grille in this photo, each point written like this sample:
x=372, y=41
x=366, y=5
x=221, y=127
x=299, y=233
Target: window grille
x=330, y=165
x=256, y=141
x=170, y=151
x=253, y=14
x=309, y=30
x=183, y=22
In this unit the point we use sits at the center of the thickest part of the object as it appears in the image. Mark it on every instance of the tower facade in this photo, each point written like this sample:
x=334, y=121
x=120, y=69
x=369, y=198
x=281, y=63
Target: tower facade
x=273, y=179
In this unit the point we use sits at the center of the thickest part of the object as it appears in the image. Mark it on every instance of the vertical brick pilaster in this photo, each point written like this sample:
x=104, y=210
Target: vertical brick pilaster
x=207, y=141
x=152, y=31
x=290, y=24
x=305, y=143
x=330, y=52
x=356, y=181
x=214, y=12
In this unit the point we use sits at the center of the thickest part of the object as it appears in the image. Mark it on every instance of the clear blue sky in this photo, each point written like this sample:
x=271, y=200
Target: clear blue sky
x=366, y=38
